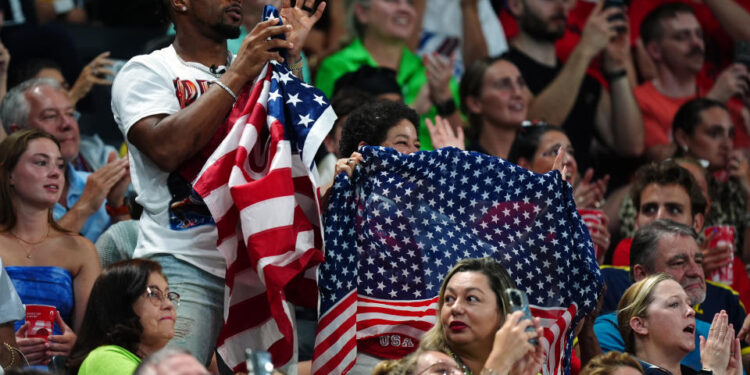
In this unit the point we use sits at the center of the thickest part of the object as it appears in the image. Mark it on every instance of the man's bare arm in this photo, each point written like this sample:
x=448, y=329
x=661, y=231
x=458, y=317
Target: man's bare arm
x=474, y=44
x=732, y=17
x=170, y=140
x=556, y=101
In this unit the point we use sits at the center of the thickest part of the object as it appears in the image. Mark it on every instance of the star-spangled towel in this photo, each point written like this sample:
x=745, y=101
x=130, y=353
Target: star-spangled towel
x=396, y=228
x=259, y=187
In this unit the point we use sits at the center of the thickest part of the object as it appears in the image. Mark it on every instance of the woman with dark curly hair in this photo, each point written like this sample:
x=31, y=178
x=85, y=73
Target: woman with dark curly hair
x=380, y=123
x=131, y=314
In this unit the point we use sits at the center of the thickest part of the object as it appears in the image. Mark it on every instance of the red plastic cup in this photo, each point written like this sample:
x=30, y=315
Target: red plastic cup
x=593, y=217
x=724, y=235
x=41, y=319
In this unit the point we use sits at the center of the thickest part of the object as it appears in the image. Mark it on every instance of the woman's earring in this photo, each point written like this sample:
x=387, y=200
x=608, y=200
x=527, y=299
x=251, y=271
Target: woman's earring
x=685, y=148
x=184, y=8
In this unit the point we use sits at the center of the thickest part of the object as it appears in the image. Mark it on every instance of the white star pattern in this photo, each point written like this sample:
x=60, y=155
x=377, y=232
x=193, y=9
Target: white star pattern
x=305, y=120
x=293, y=100
x=415, y=232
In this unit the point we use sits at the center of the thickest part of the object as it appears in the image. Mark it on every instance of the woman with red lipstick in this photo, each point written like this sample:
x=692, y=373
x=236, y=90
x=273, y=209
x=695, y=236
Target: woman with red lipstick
x=47, y=264
x=657, y=324
x=474, y=325
x=130, y=315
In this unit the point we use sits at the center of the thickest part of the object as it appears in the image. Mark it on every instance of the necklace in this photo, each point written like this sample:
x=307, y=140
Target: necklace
x=213, y=70
x=25, y=243
x=460, y=363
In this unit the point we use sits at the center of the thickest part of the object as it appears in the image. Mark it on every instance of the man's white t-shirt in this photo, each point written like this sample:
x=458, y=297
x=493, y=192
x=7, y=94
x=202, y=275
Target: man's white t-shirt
x=174, y=221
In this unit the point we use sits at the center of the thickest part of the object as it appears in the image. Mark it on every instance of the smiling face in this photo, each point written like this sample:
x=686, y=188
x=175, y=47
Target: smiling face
x=50, y=110
x=669, y=320
x=38, y=177
x=387, y=19
x=470, y=314
x=503, y=97
x=157, y=316
x=712, y=138
x=403, y=137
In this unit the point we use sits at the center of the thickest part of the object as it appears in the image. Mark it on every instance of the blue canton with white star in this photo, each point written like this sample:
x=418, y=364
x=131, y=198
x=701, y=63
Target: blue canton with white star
x=396, y=228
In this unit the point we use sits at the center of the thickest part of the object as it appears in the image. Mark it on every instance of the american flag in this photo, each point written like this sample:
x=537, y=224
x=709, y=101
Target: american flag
x=260, y=190
x=396, y=228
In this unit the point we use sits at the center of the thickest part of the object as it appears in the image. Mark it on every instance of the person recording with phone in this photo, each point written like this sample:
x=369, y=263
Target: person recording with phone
x=476, y=325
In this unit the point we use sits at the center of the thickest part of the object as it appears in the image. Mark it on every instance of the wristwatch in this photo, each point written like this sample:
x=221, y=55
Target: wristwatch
x=446, y=108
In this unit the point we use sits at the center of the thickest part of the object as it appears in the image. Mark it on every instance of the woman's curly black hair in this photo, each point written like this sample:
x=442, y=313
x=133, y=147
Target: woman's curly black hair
x=110, y=318
x=370, y=124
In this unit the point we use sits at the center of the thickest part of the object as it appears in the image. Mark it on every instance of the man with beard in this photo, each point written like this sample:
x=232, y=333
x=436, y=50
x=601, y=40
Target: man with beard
x=669, y=247
x=673, y=39
x=168, y=105
x=565, y=94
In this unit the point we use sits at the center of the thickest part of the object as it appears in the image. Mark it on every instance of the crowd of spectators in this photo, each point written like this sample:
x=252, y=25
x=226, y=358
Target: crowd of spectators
x=643, y=105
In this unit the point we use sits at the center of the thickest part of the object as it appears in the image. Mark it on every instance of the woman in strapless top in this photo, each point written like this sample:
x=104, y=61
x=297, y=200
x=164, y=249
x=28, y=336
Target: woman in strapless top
x=47, y=264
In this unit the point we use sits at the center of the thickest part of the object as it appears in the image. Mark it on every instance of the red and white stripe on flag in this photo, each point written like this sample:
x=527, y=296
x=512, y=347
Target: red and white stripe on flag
x=264, y=202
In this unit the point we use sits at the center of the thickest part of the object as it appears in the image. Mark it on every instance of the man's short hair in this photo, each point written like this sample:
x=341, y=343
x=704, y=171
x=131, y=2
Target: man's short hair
x=15, y=107
x=643, y=251
x=651, y=26
x=689, y=116
x=668, y=172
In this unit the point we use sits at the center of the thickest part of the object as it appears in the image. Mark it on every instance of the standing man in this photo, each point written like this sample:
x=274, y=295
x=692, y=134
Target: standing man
x=564, y=94
x=169, y=105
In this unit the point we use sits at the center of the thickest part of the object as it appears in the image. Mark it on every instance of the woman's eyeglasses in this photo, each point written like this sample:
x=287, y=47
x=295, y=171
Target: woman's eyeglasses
x=156, y=296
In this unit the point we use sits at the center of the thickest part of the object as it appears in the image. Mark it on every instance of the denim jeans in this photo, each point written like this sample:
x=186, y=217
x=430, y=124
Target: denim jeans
x=201, y=310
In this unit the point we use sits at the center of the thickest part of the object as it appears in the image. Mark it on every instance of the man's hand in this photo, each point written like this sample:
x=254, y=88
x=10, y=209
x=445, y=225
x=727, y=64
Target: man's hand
x=101, y=183
x=302, y=16
x=600, y=29
x=439, y=71
x=617, y=52
x=732, y=81
x=256, y=51
x=93, y=73
x=116, y=196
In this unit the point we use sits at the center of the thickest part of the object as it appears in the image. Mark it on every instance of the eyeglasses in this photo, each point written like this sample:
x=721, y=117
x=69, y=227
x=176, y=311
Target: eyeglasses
x=555, y=150
x=156, y=296
x=442, y=368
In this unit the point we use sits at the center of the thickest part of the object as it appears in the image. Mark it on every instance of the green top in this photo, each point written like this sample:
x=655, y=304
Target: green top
x=410, y=76
x=111, y=360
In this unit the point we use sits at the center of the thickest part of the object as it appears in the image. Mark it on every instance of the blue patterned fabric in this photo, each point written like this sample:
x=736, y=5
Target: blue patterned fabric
x=44, y=286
